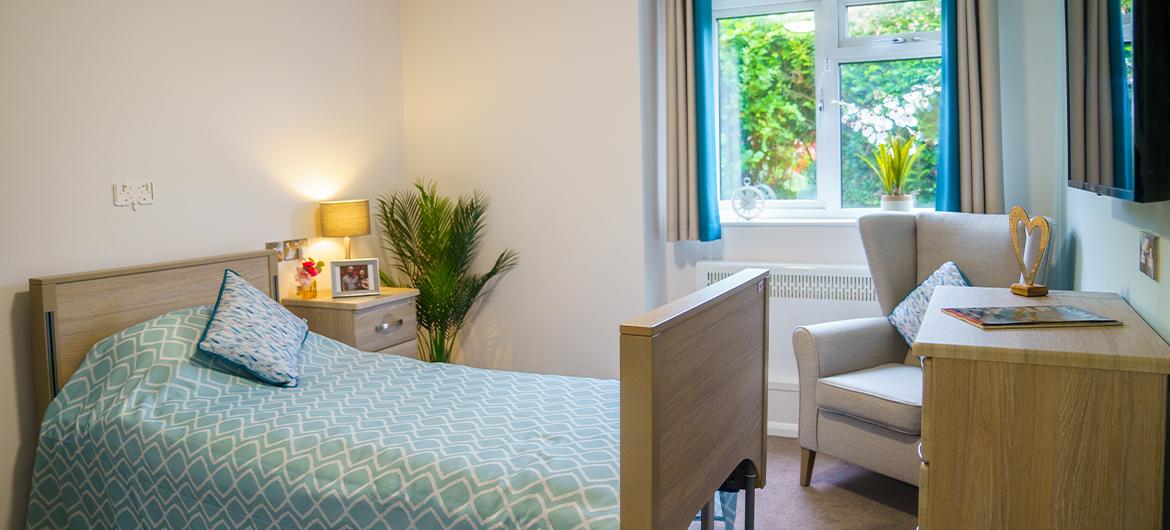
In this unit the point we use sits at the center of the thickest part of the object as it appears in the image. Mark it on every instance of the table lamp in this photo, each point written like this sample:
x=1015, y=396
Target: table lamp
x=345, y=219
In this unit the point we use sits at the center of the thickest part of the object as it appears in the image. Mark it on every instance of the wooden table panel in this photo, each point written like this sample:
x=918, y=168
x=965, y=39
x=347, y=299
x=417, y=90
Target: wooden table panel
x=1042, y=428
x=1026, y=446
x=1134, y=346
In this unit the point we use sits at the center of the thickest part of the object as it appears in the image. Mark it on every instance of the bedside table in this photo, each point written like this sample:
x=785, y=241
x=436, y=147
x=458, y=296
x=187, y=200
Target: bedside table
x=384, y=323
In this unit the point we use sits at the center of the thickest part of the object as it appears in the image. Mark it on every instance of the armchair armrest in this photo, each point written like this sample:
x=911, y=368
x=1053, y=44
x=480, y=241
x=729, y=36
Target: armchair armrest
x=846, y=346
x=833, y=348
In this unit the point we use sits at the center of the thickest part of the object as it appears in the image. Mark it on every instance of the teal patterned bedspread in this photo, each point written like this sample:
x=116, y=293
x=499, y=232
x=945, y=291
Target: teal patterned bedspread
x=150, y=434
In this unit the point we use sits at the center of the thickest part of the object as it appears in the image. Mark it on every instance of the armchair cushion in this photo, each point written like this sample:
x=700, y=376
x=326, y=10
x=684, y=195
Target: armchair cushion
x=889, y=395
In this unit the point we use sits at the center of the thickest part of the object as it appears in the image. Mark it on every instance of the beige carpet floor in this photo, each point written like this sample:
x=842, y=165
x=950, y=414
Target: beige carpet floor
x=841, y=495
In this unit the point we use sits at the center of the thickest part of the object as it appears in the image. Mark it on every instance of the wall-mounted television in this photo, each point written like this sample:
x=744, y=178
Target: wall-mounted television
x=1119, y=97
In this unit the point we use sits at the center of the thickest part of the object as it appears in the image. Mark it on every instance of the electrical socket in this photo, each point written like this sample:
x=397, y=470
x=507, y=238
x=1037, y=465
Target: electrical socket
x=133, y=194
x=1148, y=254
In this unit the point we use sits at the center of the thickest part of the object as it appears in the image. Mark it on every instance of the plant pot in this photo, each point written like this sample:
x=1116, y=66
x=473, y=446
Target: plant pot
x=897, y=203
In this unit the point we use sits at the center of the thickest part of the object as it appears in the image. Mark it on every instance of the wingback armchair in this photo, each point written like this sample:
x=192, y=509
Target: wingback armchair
x=860, y=390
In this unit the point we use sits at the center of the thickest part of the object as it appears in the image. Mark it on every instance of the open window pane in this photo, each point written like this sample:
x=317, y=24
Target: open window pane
x=767, y=105
x=893, y=18
x=880, y=100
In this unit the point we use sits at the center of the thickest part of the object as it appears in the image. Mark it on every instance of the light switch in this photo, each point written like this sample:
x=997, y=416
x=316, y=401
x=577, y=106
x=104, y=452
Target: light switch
x=133, y=194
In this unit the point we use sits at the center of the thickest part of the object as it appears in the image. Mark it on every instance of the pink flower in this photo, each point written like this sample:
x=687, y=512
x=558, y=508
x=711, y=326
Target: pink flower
x=310, y=267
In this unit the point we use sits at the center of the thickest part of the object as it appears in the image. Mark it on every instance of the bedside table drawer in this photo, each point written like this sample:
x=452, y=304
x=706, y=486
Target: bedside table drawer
x=406, y=349
x=378, y=328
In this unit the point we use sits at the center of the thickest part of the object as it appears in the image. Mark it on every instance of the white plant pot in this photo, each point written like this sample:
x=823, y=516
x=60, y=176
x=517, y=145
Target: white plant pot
x=897, y=203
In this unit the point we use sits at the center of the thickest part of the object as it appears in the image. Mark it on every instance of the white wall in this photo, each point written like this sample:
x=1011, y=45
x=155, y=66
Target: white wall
x=244, y=114
x=1032, y=79
x=1103, y=244
x=538, y=104
x=1032, y=76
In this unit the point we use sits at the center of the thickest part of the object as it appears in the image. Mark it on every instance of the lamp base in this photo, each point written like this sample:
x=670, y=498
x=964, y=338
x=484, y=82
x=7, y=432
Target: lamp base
x=346, y=247
x=1021, y=289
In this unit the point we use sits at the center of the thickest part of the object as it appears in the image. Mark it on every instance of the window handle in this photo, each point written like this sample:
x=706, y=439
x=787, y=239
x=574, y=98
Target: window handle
x=904, y=40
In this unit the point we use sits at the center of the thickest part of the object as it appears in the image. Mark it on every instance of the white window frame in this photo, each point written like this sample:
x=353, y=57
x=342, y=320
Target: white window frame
x=833, y=48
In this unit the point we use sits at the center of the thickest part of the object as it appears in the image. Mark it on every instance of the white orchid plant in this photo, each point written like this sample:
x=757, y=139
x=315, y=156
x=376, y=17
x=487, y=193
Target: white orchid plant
x=891, y=127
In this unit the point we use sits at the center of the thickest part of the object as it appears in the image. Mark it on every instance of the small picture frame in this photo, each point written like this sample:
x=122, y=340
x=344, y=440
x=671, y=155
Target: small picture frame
x=355, y=277
x=1148, y=255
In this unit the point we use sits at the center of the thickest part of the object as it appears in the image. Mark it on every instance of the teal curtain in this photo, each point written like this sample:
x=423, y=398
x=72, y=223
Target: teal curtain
x=947, y=191
x=705, y=122
x=1119, y=84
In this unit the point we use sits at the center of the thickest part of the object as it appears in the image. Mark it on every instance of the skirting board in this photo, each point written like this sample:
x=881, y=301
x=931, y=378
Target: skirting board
x=783, y=401
x=783, y=430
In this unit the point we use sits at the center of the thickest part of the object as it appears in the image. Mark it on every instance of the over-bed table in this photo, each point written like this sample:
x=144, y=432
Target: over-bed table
x=693, y=398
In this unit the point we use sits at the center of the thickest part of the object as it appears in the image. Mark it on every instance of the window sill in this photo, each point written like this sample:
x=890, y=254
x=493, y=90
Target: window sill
x=791, y=221
x=798, y=217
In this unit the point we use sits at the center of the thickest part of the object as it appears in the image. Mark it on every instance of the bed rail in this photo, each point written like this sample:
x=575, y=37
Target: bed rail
x=693, y=400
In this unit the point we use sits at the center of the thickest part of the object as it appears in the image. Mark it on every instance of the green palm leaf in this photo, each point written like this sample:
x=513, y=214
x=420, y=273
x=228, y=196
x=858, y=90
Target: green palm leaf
x=433, y=243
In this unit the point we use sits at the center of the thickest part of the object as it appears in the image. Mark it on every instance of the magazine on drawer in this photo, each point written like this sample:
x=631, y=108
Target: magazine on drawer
x=1058, y=316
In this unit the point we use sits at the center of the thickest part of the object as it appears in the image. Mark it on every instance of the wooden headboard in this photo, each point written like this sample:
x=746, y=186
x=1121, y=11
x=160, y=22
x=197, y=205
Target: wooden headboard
x=72, y=312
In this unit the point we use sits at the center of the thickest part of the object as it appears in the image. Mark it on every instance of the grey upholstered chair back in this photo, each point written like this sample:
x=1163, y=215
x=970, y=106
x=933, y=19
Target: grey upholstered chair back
x=903, y=249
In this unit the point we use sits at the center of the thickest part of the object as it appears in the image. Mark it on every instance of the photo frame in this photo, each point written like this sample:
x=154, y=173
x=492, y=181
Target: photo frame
x=355, y=277
x=289, y=249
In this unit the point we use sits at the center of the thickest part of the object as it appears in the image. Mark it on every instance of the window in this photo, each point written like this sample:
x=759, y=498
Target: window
x=807, y=89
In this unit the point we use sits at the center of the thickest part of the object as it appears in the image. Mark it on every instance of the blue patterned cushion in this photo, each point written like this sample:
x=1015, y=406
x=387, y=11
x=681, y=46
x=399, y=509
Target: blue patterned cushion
x=252, y=331
x=907, y=316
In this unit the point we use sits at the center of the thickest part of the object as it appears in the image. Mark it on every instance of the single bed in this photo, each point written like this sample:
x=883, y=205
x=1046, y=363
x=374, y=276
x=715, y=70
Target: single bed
x=146, y=432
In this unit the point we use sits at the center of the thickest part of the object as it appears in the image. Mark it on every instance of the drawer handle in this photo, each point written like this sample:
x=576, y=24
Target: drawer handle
x=385, y=326
x=921, y=458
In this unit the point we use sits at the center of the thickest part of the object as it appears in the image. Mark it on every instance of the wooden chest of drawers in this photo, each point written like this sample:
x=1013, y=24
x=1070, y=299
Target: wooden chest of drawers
x=1041, y=428
x=384, y=323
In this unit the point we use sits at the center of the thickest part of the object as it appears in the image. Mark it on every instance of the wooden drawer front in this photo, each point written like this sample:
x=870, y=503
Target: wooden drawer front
x=379, y=328
x=927, y=408
x=406, y=349
x=1034, y=446
x=923, y=496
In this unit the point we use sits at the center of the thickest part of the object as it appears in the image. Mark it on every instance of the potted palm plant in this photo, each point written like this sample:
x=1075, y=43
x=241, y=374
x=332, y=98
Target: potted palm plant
x=892, y=161
x=433, y=242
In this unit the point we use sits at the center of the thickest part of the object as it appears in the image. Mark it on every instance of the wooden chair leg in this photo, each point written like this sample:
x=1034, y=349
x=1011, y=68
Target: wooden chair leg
x=807, y=458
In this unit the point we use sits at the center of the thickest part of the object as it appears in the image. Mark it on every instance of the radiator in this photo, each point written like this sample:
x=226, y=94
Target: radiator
x=799, y=295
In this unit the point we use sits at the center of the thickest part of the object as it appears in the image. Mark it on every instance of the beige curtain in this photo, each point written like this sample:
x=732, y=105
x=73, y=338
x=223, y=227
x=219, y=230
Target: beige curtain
x=1090, y=120
x=980, y=139
x=682, y=214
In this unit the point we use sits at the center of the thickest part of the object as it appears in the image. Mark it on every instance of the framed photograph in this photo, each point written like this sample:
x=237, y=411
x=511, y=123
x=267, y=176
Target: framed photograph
x=289, y=249
x=355, y=277
x=1148, y=255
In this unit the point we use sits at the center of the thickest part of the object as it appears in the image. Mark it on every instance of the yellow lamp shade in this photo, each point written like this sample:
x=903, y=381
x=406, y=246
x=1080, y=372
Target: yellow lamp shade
x=345, y=218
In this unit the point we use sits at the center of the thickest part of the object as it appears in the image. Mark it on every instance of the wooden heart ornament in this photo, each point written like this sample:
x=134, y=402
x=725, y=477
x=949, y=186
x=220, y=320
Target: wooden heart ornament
x=1031, y=225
